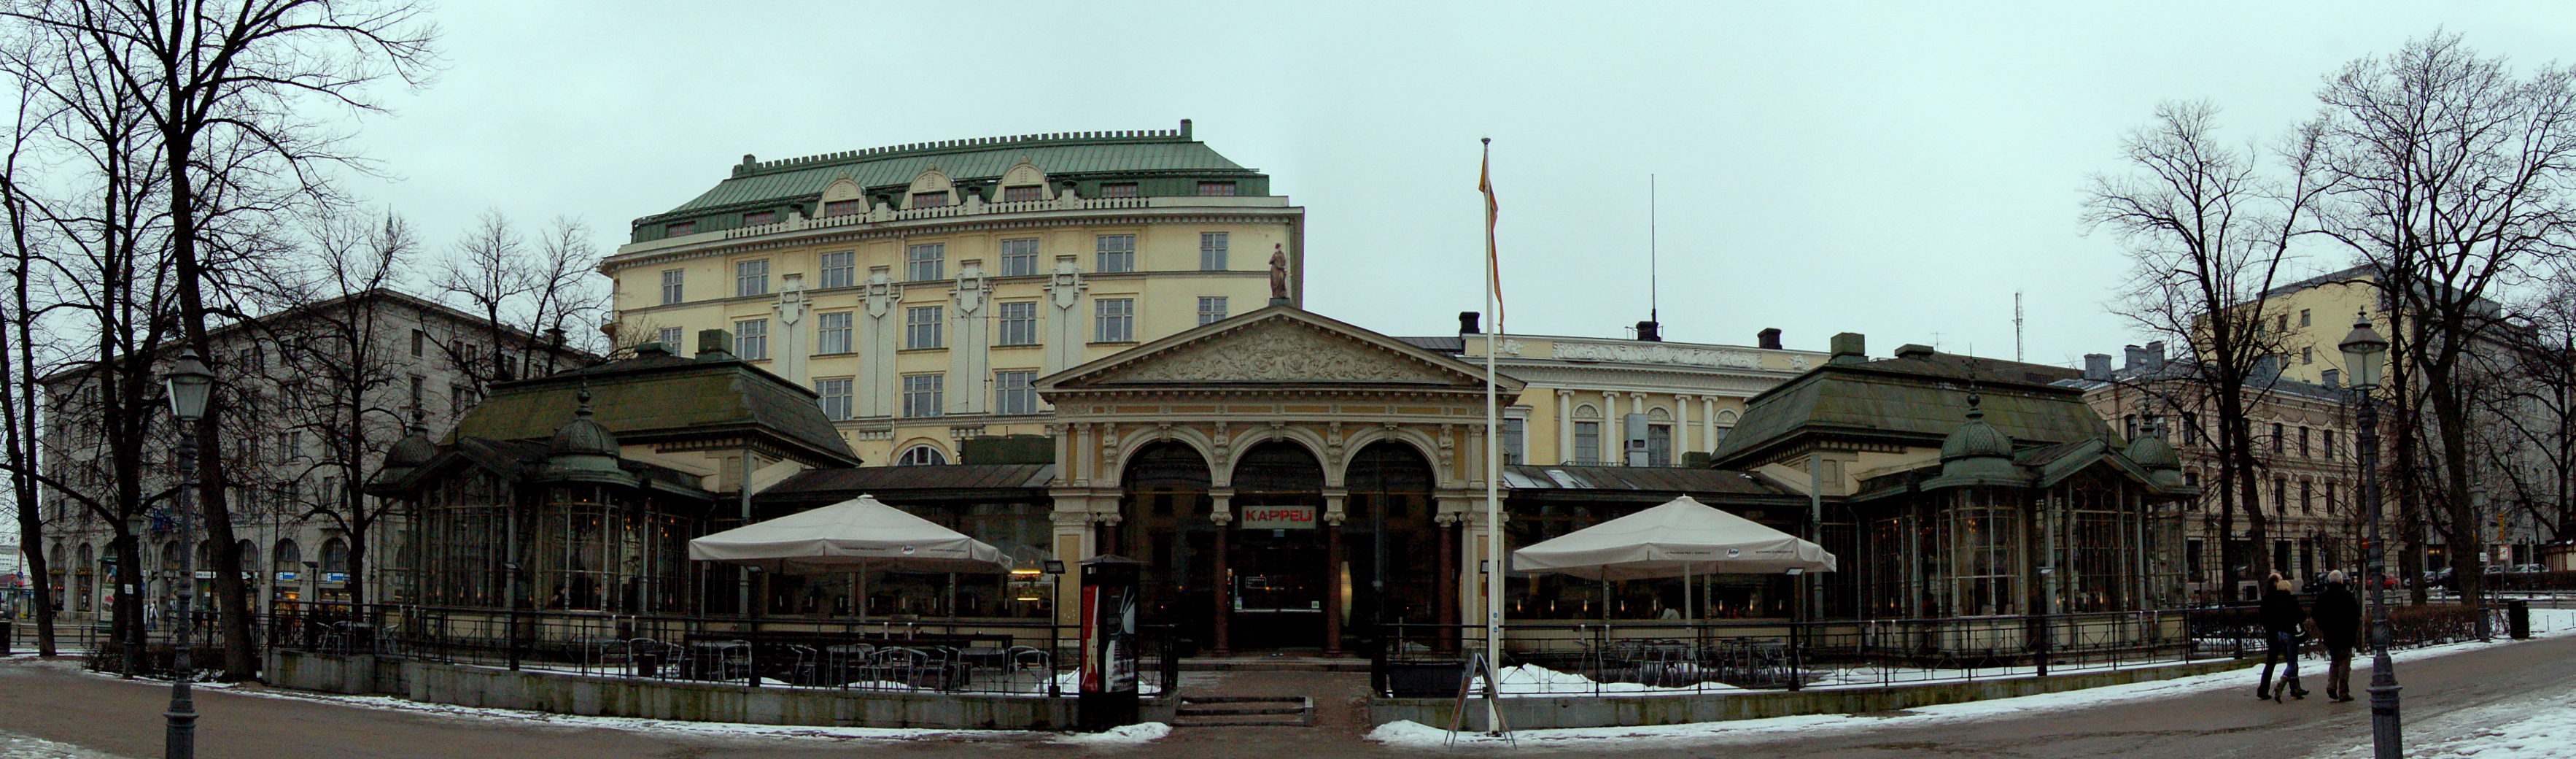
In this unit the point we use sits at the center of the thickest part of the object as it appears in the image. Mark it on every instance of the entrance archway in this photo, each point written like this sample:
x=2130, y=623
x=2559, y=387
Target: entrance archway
x=1163, y=521
x=1279, y=560
x=1393, y=556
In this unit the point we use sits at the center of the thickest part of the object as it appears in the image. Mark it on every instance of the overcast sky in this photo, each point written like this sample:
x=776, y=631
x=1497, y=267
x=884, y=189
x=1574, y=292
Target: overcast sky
x=1895, y=169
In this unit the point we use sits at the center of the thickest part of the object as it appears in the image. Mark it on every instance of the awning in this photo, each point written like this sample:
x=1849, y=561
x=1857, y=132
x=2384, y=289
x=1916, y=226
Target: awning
x=854, y=535
x=1679, y=538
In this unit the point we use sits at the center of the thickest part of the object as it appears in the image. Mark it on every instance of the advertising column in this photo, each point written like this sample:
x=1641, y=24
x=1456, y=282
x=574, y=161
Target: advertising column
x=1109, y=644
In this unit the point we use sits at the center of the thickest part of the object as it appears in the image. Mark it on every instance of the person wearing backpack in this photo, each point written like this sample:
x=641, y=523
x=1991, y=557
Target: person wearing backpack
x=2281, y=618
x=2338, y=618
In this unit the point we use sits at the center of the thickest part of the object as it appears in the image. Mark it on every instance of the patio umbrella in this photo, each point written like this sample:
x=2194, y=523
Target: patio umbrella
x=855, y=536
x=1679, y=538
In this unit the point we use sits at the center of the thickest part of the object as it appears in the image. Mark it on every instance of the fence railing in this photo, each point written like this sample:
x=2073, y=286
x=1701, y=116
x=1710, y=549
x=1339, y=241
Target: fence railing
x=986, y=656
x=1645, y=657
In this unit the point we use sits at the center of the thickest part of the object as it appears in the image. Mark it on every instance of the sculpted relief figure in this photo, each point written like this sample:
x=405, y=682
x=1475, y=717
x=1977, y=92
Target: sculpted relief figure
x=1278, y=272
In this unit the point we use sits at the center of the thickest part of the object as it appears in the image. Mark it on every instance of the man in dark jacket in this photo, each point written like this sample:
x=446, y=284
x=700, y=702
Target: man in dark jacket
x=2338, y=623
x=2281, y=618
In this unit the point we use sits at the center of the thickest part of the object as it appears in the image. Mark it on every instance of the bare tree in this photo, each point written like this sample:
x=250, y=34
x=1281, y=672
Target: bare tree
x=2451, y=177
x=2209, y=232
x=2533, y=412
x=533, y=303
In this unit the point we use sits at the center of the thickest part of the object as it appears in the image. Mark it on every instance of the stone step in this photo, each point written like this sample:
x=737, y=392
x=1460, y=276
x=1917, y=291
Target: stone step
x=1244, y=711
x=1204, y=711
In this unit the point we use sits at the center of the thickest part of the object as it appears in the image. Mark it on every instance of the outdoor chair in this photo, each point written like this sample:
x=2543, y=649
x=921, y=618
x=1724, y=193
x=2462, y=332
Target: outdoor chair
x=807, y=667
x=897, y=664
x=1029, y=657
x=847, y=662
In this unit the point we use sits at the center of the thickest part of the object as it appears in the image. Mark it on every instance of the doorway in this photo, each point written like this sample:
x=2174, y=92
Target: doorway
x=1279, y=578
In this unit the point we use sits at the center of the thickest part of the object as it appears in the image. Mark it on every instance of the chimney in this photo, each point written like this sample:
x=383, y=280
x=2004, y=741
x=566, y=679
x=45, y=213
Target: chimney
x=2097, y=367
x=1914, y=350
x=1850, y=348
x=2136, y=360
x=2156, y=355
x=1467, y=323
x=652, y=350
x=715, y=345
x=1185, y=129
x=1769, y=338
x=1649, y=331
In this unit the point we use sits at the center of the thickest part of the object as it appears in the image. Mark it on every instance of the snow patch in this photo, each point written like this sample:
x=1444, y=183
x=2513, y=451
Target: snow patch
x=1534, y=680
x=1124, y=735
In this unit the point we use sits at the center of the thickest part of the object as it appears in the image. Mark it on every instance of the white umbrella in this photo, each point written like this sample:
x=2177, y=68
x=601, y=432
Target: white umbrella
x=1680, y=538
x=851, y=536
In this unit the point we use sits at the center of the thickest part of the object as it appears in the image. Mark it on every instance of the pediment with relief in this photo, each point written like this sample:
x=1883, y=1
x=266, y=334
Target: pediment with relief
x=1280, y=351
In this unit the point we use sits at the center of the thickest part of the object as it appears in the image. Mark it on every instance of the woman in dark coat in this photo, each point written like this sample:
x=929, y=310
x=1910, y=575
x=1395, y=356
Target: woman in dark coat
x=2281, y=618
x=2338, y=624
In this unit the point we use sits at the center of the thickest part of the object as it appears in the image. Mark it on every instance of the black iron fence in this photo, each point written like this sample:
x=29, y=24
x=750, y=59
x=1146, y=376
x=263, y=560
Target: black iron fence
x=1643, y=657
x=989, y=656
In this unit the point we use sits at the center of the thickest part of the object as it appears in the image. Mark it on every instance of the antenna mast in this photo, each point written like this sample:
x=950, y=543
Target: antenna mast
x=1653, y=288
x=2016, y=325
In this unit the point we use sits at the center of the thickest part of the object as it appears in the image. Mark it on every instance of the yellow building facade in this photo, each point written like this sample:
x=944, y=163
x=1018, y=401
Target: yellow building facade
x=921, y=289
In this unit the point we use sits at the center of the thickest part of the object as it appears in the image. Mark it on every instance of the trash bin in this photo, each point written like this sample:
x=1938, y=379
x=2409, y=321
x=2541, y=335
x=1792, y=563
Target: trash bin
x=2517, y=615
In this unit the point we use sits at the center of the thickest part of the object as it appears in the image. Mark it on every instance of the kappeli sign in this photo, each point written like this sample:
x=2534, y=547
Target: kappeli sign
x=1278, y=518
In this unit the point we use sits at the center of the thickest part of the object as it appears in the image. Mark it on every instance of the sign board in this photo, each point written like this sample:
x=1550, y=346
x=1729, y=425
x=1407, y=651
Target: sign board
x=335, y=577
x=1277, y=518
x=205, y=575
x=286, y=577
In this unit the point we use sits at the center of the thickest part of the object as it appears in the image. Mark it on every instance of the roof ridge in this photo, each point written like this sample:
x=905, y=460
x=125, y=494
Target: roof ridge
x=751, y=165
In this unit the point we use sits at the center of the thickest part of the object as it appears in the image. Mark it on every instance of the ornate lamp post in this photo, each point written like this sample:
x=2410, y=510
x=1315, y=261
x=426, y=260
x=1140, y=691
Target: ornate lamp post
x=2363, y=351
x=189, y=382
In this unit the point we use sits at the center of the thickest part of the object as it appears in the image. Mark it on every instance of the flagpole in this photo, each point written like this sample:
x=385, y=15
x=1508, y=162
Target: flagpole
x=1493, y=453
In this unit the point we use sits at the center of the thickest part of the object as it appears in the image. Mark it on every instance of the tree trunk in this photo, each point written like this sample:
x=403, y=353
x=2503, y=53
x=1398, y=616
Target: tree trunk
x=232, y=596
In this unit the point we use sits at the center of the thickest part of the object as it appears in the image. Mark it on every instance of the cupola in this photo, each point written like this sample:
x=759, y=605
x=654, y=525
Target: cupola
x=582, y=446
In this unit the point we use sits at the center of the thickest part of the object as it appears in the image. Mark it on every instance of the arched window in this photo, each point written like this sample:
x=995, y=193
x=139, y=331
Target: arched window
x=921, y=455
x=170, y=557
x=287, y=557
x=335, y=555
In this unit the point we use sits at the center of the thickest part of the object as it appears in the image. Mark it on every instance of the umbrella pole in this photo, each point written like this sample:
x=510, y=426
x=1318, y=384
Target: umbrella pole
x=862, y=582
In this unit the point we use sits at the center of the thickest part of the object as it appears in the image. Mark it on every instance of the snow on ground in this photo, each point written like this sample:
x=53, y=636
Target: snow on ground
x=16, y=746
x=1130, y=735
x=2545, y=623
x=1534, y=680
x=2550, y=733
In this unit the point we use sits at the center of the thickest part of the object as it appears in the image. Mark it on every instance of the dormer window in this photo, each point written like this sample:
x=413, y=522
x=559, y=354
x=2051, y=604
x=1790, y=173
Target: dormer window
x=929, y=199
x=1118, y=190
x=1021, y=194
x=757, y=218
x=1216, y=189
x=682, y=228
x=844, y=207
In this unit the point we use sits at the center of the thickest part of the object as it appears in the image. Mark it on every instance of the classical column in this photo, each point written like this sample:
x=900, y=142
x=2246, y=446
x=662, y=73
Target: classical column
x=1708, y=412
x=1564, y=426
x=1446, y=597
x=1221, y=582
x=1333, y=501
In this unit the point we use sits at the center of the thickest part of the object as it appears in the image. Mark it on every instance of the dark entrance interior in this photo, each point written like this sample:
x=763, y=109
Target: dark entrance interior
x=1279, y=574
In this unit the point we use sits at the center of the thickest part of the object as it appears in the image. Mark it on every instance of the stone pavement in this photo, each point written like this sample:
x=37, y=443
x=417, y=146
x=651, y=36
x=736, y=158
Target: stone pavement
x=2444, y=696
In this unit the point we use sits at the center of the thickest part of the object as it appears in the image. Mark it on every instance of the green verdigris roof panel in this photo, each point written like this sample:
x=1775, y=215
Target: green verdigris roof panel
x=652, y=399
x=1896, y=401
x=976, y=162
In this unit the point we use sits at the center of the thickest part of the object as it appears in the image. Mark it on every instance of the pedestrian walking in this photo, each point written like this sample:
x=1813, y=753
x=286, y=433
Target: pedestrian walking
x=2281, y=618
x=2338, y=617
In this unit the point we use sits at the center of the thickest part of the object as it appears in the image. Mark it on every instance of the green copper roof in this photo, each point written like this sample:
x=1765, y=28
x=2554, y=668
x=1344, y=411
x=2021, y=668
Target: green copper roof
x=664, y=399
x=1903, y=401
x=1137, y=153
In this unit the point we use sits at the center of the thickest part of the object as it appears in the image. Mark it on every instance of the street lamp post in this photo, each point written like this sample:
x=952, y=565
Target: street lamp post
x=189, y=382
x=2363, y=351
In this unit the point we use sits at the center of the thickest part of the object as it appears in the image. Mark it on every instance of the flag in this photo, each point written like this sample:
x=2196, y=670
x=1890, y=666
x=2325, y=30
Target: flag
x=1493, y=261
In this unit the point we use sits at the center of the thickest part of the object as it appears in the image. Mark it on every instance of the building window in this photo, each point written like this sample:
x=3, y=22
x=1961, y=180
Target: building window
x=751, y=278
x=2129, y=426
x=1019, y=257
x=1015, y=392
x=2303, y=317
x=1659, y=445
x=832, y=332
x=1019, y=323
x=1117, y=253
x=929, y=199
x=419, y=346
x=1118, y=190
x=923, y=393
x=921, y=328
x=751, y=339
x=2281, y=494
x=459, y=399
x=921, y=455
x=671, y=279
x=2283, y=325
x=671, y=339
x=1211, y=310
x=1515, y=442
x=2279, y=441
x=1022, y=193
x=2190, y=429
x=840, y=269
x=1216, y=189
x=836, y=398
x=2307, y=355
x=1212, y=251
x=418, y=395
x=1587, y=442
x=1116, y=320
x=922, y=263
x=2330, y=445
x=2303, y=443
x=682, y=228
x=844, y=207
x=2330, y=496
x=757, y=218
x=2307, y=496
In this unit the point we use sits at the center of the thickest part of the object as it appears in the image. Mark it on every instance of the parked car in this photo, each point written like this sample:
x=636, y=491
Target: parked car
x=2524, y=568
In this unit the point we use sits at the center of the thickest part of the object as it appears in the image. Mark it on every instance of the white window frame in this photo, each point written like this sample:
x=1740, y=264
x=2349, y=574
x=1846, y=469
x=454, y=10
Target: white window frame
x=921, y=455
x=751, y=278
x=835, y=397
x=925, y=395
x=1212, y=247
x=840, y=269
x=1211, y=309
x=674, y=285
x=1113, y=254
x=921, y=327
x=1020, y=257
x=832, y=332
x=751, y=339
x=1113, y=320
x=925, y=262
x=671, y=337
x=1015, y=391
x=1016, y=323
